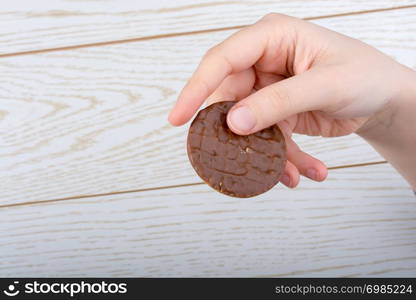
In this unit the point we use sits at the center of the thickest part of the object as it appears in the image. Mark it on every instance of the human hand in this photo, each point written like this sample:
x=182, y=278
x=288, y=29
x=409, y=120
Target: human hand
x=305, y=78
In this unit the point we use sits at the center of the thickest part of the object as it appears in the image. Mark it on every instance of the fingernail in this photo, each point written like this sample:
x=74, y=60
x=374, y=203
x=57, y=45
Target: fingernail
x=242, y=119
x=312, y=174
x=285, y=179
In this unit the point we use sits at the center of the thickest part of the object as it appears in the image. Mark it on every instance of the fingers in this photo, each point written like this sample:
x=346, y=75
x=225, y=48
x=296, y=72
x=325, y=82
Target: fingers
x=299, y=162
x=308, y=91
x=307, y=165
x=237, y=53
x=290, y=177
x=235, y=87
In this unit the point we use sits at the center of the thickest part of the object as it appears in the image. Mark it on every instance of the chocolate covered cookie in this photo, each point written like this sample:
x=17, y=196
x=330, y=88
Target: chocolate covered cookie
x=235, y=165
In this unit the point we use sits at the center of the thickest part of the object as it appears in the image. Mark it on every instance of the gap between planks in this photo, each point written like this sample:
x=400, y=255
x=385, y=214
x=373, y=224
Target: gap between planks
x=176, y=34
x=158, y=188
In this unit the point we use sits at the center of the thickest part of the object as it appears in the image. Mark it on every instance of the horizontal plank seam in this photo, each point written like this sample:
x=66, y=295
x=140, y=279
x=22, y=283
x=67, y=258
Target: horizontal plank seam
x=177, y=34
x=158, y=188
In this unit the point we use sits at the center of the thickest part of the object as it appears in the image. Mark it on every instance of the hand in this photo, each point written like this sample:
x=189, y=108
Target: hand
x=305, y=78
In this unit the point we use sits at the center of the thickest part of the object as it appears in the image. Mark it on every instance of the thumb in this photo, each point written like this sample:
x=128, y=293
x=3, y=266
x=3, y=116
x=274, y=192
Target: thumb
x=312, y=90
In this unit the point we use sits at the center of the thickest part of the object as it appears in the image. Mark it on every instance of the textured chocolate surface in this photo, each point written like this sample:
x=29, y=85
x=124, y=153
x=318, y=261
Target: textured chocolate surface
x=239, y=166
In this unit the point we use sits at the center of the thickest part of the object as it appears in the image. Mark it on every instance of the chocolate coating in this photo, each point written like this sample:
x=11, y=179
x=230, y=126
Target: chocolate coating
x=235, y=165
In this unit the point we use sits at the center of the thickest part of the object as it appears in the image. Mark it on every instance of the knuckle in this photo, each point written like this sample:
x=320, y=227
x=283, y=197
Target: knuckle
x=275, y=17
x=271, y=16
x=212, y=52
x=216, y=55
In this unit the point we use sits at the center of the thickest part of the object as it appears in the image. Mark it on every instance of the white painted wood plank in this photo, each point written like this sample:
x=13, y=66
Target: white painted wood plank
x=361, y=222
x=93, y=120
x=32, y=25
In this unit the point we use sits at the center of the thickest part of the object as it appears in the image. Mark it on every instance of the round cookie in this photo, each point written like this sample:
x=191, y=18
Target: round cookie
x=235, y=165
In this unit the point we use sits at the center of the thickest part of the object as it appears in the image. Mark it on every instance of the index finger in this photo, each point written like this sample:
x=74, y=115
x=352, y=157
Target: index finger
x=238, y=52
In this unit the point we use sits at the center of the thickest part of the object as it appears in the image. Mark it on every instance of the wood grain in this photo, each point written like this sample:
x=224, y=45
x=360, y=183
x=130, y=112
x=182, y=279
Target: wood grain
x=93, y=120
x=361, y=222
x=47, y=24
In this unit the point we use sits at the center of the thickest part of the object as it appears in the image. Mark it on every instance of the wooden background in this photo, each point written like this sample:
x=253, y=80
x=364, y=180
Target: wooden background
x=94, y=182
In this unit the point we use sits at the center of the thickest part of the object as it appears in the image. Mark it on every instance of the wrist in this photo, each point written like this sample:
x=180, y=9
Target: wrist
x=391, y=130
x=395, y=112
